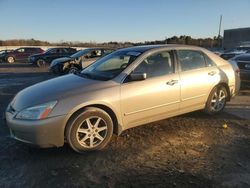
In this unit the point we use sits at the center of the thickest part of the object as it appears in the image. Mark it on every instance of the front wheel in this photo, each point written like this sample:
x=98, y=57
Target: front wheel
x=216, y=100
x=73, y=70
x=89, y=130
x=41, y=63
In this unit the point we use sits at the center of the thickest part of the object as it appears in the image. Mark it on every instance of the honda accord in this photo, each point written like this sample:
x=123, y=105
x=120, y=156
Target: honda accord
x=127, y=88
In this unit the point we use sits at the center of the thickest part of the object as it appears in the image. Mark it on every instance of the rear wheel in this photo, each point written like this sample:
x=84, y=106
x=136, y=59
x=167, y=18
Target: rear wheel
x=10, y=59
x=89, y=130
x=216, y=100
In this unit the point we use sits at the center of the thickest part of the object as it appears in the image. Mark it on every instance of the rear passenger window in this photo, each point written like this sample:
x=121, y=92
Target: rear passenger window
x=190, y=60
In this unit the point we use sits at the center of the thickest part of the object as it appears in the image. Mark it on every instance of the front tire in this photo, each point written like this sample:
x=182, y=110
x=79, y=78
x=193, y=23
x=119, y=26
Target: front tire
x=216, y=100
x=41, y=63
x=89, y=130
x=73, y=70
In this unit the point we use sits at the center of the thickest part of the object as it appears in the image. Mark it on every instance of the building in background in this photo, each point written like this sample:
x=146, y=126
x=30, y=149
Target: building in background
x=236, y=37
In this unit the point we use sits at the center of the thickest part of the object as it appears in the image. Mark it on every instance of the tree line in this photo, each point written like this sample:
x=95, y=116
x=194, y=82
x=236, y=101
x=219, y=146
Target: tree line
x=188, y=40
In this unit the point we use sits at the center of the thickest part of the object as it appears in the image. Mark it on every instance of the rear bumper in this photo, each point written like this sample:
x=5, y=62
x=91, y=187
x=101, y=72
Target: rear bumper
x=42, y=133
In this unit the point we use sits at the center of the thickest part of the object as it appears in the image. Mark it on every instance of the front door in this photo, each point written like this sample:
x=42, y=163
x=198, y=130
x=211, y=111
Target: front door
x=154, y=98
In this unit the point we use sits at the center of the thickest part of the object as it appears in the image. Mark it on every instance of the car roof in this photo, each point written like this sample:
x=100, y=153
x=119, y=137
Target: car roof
x=145, y=48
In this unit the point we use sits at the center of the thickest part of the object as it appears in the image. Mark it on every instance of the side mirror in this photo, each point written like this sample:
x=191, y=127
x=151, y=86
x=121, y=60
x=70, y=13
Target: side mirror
x=137, y=76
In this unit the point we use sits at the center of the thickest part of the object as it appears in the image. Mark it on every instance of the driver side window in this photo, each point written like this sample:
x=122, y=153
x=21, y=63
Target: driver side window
x=157, y=64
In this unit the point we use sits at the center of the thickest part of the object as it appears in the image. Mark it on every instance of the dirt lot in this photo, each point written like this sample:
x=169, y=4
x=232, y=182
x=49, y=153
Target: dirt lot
x=192, y=150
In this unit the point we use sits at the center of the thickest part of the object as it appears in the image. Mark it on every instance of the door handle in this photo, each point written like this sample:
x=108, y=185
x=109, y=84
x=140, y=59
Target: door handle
x=211, y=73
x=172, y=82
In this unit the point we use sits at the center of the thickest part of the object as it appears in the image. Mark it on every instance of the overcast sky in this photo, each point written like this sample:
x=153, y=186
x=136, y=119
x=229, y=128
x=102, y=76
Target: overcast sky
x=118, y=20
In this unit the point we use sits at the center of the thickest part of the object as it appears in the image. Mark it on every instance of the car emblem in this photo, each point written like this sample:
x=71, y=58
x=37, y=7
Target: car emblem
x=247, y=66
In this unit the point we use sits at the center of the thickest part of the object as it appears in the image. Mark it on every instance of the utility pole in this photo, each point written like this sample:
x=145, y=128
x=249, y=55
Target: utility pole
x=219, y=36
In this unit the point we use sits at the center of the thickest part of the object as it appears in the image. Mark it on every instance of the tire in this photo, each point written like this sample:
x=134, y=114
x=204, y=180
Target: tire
x=73, y=70
x=217, y=100
x=10, y=59
x=89, y=130
x=41, y=63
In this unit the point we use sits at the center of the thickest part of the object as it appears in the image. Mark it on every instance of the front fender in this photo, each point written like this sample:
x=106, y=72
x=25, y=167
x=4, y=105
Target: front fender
x=96, y=103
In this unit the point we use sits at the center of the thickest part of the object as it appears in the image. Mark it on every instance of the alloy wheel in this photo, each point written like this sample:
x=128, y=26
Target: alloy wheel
x=218, y=100
x=10, y=59
x=91, y=132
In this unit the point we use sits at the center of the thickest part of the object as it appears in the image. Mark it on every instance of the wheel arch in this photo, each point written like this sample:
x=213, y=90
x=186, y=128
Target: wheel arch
x=117, y=129
x=224, y=85
x=227, y=88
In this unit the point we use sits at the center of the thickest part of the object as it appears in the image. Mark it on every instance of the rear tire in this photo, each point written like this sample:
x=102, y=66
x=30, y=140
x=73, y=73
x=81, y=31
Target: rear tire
x=89, y=130
x=10, y=59
x=217, y=100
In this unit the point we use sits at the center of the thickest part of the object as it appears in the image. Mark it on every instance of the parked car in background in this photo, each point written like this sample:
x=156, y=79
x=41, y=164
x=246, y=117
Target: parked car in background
x=228, y=54
x=76, y=62
x=44, y=59
x=3, y=55
x=21, y=55
x=243, y=62
x=217, y=51
x=125, y=89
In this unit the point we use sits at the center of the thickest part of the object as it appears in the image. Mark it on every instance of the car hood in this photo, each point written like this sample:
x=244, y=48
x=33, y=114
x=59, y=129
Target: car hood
x=54, y=90
x=59, y=61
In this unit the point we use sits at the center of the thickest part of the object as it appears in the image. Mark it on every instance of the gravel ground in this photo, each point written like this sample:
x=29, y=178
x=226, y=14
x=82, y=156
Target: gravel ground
x=192, y=150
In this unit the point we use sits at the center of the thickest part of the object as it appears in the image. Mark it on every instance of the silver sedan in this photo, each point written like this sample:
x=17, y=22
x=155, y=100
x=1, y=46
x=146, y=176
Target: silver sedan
x=125, y=89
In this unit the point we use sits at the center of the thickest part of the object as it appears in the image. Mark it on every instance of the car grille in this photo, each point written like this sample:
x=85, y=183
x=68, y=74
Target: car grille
x=244, y=65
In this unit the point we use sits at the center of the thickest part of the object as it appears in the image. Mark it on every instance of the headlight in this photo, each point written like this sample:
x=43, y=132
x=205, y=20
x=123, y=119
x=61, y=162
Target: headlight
x=36, y=112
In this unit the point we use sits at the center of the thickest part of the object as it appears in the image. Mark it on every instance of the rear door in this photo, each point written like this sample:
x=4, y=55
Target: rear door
x=197, y=78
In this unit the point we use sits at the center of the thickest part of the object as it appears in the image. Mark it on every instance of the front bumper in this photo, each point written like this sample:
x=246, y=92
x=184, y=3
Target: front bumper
x=42, y=133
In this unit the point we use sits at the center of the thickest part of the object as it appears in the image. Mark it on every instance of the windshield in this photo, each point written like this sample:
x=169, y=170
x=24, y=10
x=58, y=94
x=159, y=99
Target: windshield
x=80, y=53
x=110, y=66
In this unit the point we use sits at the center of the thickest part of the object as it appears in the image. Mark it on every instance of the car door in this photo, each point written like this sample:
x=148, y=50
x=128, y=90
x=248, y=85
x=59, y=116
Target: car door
x=197, y=78
x=156, y=97
x=20, y=54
